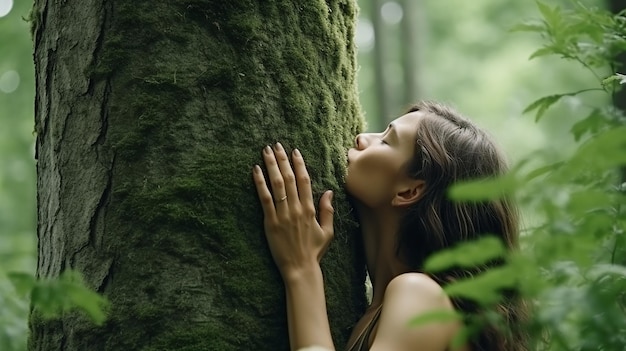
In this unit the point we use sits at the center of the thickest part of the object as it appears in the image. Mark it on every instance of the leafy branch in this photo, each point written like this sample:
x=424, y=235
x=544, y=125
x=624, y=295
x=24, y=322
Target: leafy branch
x=53, y=297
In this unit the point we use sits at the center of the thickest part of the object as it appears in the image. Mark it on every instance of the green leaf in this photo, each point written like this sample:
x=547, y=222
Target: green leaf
x=530, y=281
x=587, y=200
x=548, y=50
x=542, y=170
x=83, y=298
x=467, y=254
x=550, y=15
x=604, y=151
x=590, y=124
x=484, y=288
x=23, y=282
x=91, y=303
x=527, y=27
x=484, y=189
x=542, y=104
x=53, y=297
x=616, y=76
x=47, y=298
x=465, y=333
x=600, y=270
x=436, y=316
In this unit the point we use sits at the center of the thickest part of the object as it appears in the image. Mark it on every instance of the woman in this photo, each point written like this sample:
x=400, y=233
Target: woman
x=398, y=179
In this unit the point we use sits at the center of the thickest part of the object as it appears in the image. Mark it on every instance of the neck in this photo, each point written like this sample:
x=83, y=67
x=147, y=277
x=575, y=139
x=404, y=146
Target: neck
x=379, y=228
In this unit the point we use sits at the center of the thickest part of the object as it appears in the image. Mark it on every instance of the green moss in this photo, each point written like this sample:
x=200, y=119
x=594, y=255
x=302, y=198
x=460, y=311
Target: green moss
x=34, y=17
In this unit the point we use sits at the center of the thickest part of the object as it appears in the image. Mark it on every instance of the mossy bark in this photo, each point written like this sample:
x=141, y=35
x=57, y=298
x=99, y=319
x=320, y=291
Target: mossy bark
x=149, y=117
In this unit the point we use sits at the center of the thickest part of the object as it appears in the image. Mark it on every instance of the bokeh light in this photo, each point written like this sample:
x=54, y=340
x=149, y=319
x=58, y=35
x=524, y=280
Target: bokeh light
x=9, y=81
x=391, y=12
x=5, y=7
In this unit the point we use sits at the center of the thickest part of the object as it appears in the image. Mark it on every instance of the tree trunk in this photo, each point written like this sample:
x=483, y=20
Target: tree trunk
x=149, y=118
x=409, y=50
x=380, y=74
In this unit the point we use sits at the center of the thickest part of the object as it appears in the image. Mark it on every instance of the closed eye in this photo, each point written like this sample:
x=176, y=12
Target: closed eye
x=385, y=133
x=382, y=137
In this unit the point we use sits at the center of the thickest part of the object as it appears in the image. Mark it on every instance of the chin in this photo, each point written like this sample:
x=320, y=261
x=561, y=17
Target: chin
x=349, y=191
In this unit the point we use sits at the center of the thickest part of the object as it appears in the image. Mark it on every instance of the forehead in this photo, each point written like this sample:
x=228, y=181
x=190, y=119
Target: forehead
x=407, y=124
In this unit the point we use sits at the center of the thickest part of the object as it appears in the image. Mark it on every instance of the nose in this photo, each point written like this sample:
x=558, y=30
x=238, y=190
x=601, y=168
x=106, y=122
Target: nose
x=361, y=141
x=358, y=141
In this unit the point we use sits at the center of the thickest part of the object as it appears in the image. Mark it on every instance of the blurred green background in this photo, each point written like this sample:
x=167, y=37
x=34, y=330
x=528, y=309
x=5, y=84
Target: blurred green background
x=17, y=165
x=456, y=51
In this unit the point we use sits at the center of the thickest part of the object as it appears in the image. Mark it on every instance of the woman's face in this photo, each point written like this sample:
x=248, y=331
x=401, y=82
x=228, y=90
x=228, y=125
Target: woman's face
x=377, y=163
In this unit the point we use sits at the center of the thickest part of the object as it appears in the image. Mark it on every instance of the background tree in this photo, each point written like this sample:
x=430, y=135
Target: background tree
x=380, y=59
x=149, y=117
x=619, y=97
x=410, y=49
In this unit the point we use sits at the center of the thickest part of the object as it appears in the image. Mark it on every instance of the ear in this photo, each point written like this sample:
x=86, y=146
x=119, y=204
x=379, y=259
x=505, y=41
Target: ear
x=409, y=193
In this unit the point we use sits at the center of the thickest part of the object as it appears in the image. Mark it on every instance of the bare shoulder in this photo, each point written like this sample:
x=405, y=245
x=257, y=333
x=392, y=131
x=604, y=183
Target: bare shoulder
x=414, y=283
x=408, y=296
x=412, y=294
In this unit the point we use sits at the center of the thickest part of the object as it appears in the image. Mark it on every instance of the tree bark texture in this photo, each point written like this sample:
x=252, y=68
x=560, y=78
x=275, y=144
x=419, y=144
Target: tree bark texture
x=149, y=118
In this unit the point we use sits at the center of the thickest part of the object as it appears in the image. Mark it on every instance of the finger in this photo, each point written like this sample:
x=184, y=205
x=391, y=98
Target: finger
x=275, y=179
x=289, y=178
x=304, y=182
x=327, y=212
x=267, y=202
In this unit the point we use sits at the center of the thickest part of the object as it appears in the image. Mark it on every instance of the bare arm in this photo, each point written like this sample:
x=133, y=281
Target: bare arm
x=297, y=242
x=306, y=310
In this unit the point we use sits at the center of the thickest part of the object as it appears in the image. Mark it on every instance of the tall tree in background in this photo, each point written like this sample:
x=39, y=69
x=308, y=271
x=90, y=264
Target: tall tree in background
x=619, y=98
x=393, y=46
x=149, y=117
x=409, y=49
x=380, y=73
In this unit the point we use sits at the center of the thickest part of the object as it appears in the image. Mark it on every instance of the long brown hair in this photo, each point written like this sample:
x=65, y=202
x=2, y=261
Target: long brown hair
x=450, y=148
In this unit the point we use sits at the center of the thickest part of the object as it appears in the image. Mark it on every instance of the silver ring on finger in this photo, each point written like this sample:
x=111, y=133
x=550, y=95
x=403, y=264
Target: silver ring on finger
x=282, y=199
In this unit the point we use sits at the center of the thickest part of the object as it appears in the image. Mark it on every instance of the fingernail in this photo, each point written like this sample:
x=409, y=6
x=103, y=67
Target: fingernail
x=267, y=150
x=279, y=146
x=256, y=169
x=331, y=195
x=297, y=152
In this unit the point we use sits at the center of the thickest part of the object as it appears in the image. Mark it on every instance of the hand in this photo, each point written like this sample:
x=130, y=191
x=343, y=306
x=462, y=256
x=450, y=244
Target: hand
x=295, y=237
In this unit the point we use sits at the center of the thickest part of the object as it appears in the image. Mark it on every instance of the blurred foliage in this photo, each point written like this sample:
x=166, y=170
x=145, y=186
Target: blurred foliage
x=566, y=174
x=52, y=297
x=572, y=263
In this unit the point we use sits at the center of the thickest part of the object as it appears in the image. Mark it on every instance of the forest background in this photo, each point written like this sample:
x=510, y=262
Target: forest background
x=455, y=51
